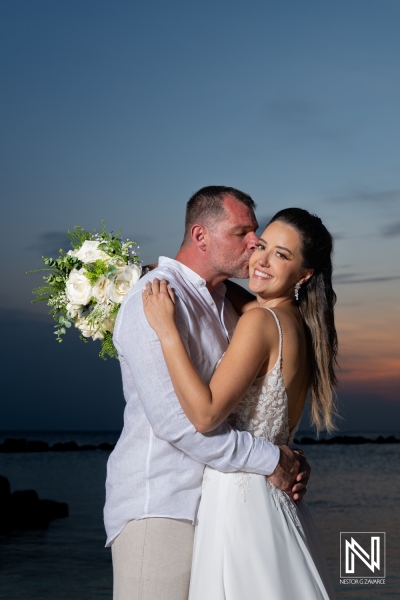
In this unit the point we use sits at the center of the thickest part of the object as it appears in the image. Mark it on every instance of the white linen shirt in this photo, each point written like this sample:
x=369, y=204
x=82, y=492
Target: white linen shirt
x=157, y=465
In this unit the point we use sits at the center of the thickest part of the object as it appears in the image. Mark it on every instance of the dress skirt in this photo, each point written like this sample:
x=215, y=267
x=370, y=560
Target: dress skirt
x=253, y=542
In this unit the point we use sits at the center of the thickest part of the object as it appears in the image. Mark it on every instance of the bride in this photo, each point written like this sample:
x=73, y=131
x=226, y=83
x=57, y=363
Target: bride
x=252, y=540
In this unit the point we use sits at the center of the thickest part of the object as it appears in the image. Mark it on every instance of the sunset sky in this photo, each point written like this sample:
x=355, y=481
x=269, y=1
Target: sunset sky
x=121, y=110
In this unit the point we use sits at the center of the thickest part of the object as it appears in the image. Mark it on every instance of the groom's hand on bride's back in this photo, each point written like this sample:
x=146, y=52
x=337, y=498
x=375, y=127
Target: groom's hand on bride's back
x=291, y=473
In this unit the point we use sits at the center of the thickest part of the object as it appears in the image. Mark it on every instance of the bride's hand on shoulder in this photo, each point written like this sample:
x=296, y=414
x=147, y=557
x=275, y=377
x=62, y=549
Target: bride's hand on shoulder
x=159, y=306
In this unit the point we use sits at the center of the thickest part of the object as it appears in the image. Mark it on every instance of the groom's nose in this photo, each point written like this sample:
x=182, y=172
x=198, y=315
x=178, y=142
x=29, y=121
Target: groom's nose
x=252, y=240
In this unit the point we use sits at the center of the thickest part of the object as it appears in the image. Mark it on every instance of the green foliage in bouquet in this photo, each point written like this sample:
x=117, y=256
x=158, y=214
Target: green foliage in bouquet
x=86, y=285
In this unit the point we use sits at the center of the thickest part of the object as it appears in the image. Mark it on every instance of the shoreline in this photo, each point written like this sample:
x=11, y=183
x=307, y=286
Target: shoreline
x=348, y=439
x=23, y=445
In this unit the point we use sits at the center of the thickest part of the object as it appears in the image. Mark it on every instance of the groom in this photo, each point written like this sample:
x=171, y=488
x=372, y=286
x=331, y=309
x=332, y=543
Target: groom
x=154, y=475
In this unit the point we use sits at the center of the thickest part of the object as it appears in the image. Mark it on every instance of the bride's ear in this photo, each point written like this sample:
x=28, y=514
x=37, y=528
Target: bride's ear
x=306, y=276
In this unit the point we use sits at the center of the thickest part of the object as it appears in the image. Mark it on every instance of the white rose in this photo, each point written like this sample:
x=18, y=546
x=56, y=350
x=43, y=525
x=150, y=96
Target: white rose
x=87, y=331
x=124, y=280
x=109, y=323
x=89, y=252
x=73, y=309
x=99, y=289
x=78, y=289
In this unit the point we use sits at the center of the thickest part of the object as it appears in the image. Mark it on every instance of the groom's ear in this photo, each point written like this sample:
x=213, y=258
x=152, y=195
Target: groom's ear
x=199, y=235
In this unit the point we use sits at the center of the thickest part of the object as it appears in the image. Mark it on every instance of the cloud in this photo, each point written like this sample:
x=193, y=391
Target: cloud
x=374, y=197
x=391, y=230
x=338, y=236
x=55, y=392
x=142, y=238
x=262, y=222
x=345, y=278
x=322, y=134
x=357, y=405
x=302, y=123
x=263, y=219
x=49, y=243
x=292, y=112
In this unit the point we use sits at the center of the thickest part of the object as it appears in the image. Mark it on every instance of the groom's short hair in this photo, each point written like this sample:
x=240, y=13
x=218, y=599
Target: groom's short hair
x=207, y=206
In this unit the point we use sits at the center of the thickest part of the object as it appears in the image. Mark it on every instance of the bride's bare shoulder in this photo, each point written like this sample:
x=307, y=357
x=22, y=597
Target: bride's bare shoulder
x=256, y=314
x=258, y=321
x=289, y=319
x=255, y=336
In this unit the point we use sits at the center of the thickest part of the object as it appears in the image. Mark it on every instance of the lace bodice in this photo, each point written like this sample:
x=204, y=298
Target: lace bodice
x=264, y=409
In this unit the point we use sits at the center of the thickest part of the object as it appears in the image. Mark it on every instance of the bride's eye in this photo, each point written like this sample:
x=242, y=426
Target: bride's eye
x=260, y=246
x=280, y=255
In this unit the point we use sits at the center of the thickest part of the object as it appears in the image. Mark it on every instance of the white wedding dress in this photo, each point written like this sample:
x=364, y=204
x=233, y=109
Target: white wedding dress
x=252, y=542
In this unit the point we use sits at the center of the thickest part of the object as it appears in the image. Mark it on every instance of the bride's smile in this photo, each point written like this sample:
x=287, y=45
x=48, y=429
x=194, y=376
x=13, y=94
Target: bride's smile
x=261, y=275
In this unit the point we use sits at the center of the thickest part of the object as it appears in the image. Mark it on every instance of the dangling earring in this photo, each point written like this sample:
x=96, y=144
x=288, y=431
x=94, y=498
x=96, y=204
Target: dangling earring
x=296, y=291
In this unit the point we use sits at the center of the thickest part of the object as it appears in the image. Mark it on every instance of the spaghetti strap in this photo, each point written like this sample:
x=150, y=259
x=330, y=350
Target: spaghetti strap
x=280, y=334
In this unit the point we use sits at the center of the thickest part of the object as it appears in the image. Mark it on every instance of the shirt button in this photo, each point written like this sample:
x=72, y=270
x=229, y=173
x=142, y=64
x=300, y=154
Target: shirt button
x=201, y=282
x=210, y=302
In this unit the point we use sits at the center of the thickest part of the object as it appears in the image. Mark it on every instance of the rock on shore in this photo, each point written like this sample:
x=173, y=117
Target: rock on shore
x=23, y=509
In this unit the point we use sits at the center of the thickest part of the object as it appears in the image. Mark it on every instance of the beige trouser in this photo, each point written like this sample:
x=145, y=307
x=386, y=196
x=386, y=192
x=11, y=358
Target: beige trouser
x=152, y=560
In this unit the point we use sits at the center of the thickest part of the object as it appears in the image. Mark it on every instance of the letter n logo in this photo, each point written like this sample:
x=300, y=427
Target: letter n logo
x=362, y=553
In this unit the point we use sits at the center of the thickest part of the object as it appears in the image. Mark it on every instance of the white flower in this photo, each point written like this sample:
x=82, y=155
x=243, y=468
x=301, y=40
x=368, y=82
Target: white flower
x=123, y=281
x=73, y=309
x=109, y=323
x=78, y=289
x=88, y=330
x=99, y=289
x=98, y=335
x=119, y=263
x=89, y=252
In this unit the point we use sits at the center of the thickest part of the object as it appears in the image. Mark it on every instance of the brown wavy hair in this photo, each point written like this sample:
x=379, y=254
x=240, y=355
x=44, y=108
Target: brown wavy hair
x=316, y=305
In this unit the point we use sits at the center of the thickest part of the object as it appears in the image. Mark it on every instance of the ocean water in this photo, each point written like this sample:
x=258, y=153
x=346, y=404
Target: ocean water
x=353, y=488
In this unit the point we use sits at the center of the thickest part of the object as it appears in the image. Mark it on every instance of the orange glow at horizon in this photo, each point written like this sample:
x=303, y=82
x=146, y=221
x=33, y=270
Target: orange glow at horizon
x=369, y=351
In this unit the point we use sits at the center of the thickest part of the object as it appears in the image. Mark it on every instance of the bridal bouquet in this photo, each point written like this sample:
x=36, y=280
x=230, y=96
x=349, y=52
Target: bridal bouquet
x=87, y=284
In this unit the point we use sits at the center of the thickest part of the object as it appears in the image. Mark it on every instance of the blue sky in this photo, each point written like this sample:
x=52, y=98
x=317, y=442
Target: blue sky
x=121, y=110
